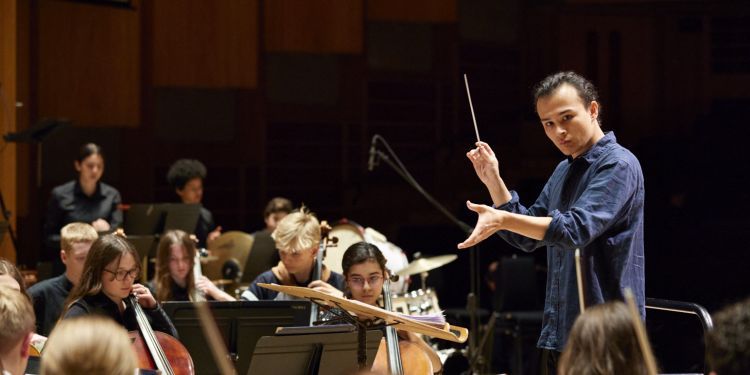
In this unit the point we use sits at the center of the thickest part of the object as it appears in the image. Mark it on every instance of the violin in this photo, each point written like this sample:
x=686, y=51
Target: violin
x=417, y=360
x=158, y=350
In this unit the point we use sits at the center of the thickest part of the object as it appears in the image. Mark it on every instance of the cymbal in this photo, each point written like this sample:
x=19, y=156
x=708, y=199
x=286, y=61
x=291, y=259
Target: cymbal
x=233, y=245
x=425, y=264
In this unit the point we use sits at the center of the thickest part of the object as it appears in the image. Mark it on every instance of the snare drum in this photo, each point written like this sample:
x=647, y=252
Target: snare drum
x=417, y=302
x=348, y=233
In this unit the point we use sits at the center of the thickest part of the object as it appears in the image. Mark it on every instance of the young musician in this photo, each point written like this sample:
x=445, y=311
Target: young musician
x=265, y=255
x=17, y=319
x=49, y=295
x=11, y=277
x=107, y=281
x=89, y=345
x=365, y=272
x=593, y=201
x=728, y=343
x=175, y=278
x=603, y=341
x=85, y=199
x=186, y=178
x=297, y=237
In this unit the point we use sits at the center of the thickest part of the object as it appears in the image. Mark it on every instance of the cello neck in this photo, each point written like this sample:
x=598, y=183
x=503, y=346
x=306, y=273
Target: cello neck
x=154, y=348
x=391, y=337
x=196, y=295
x=318, y=266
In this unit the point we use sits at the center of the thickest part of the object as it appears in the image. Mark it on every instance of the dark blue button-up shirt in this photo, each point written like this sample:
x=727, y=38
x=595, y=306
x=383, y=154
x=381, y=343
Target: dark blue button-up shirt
x=596, y=204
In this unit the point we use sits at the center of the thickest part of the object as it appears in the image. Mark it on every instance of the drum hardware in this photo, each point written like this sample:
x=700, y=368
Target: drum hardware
x=422, y=265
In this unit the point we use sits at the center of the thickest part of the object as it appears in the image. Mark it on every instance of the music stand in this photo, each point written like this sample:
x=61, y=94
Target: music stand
x=145, y=246
x=181, y=216
x=3, y=228
x=241, y=325
x=322, y=353
x=144, y=219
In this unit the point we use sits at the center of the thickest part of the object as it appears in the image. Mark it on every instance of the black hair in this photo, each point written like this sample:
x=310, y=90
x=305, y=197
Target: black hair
x=361, y=252
x=87, y=150
x=586, y=90
x=184, y=170
x=278, y=204
x=728, y=343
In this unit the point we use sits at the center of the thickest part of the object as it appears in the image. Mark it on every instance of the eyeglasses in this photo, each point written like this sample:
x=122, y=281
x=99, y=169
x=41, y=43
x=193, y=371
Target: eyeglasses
x=121, y=274
x=359, y=282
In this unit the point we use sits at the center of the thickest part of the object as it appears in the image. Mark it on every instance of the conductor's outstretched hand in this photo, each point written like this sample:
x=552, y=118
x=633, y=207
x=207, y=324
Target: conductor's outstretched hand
x=489, y=221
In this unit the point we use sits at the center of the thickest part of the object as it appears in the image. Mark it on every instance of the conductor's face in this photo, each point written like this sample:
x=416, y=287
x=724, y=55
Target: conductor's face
x=571, y=126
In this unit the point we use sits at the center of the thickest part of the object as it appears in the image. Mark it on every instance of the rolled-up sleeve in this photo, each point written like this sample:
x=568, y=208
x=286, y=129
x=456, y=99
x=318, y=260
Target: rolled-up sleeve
x=538, y=209
x=602, y=203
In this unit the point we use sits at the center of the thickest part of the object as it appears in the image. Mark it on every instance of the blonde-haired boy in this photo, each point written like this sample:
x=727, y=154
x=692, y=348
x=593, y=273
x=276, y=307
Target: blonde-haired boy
x=17, y=317
x=49, y=295
x=297, y=236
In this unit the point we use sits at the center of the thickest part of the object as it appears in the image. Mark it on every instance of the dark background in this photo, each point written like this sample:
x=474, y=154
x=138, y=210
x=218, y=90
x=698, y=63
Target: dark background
x=281, y=98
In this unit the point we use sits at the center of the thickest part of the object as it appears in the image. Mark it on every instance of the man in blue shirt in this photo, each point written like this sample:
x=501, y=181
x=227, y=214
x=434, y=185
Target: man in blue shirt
x=593, y=201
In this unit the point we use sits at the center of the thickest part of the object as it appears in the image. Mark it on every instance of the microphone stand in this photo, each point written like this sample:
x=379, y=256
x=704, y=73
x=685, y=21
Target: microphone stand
x=473, y=297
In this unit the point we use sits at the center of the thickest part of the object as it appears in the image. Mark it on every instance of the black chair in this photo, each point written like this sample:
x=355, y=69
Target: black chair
x=677, y=332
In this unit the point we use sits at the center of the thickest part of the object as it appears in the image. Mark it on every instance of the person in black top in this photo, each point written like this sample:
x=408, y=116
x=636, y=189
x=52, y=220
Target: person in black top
x=297, y=237
x=49, y=295
x=106, y=283
x=85, y=199
x=264, y=252
x=175, y=279
x=186, y=178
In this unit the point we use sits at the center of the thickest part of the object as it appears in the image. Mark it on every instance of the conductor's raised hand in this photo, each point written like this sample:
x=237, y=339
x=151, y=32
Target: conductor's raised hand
x=485, y=164
x=489, y=221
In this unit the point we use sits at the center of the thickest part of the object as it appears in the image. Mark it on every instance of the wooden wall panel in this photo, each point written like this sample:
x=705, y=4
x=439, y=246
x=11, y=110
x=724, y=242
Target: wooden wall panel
x=88, y=59
x=438, y=11
x=316, y=26
x=8, y=173
x=198, y=43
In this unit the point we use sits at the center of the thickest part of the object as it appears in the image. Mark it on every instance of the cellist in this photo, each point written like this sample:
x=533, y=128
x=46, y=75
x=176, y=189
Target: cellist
x=297, y=237
x=107, y=280
x=365, y=272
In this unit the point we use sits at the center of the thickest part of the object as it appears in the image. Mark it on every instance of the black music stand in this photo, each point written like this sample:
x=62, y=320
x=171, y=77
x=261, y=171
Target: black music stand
x=181, y=216
x=322, y=353
x=144, y=219
x=241, y=325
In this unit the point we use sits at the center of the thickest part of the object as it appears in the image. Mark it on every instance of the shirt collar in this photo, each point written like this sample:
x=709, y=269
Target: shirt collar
x=597, y=149
x=78, y=190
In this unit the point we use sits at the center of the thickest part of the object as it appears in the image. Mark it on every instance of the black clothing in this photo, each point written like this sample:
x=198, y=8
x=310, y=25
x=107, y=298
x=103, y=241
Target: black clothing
x=178, y=293
x=336, y=280
x=49, y=300
x=205, y=226
x=68, y=204
x=263, y=255
x=101, y=304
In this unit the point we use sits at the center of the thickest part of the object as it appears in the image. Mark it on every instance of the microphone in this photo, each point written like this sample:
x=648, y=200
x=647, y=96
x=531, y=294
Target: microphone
x=371, y=160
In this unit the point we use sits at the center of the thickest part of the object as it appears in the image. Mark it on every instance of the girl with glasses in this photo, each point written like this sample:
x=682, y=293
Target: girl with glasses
x=365, y=272
x=107, y=280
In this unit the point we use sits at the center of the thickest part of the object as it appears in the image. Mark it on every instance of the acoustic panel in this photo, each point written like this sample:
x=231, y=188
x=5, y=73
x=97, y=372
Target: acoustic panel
x=195, y=115
x=399, y=46
x=302, y=79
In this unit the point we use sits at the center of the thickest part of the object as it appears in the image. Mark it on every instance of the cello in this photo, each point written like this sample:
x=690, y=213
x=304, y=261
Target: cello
x=318, y=266
x=158, y=350
x=418, y=362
